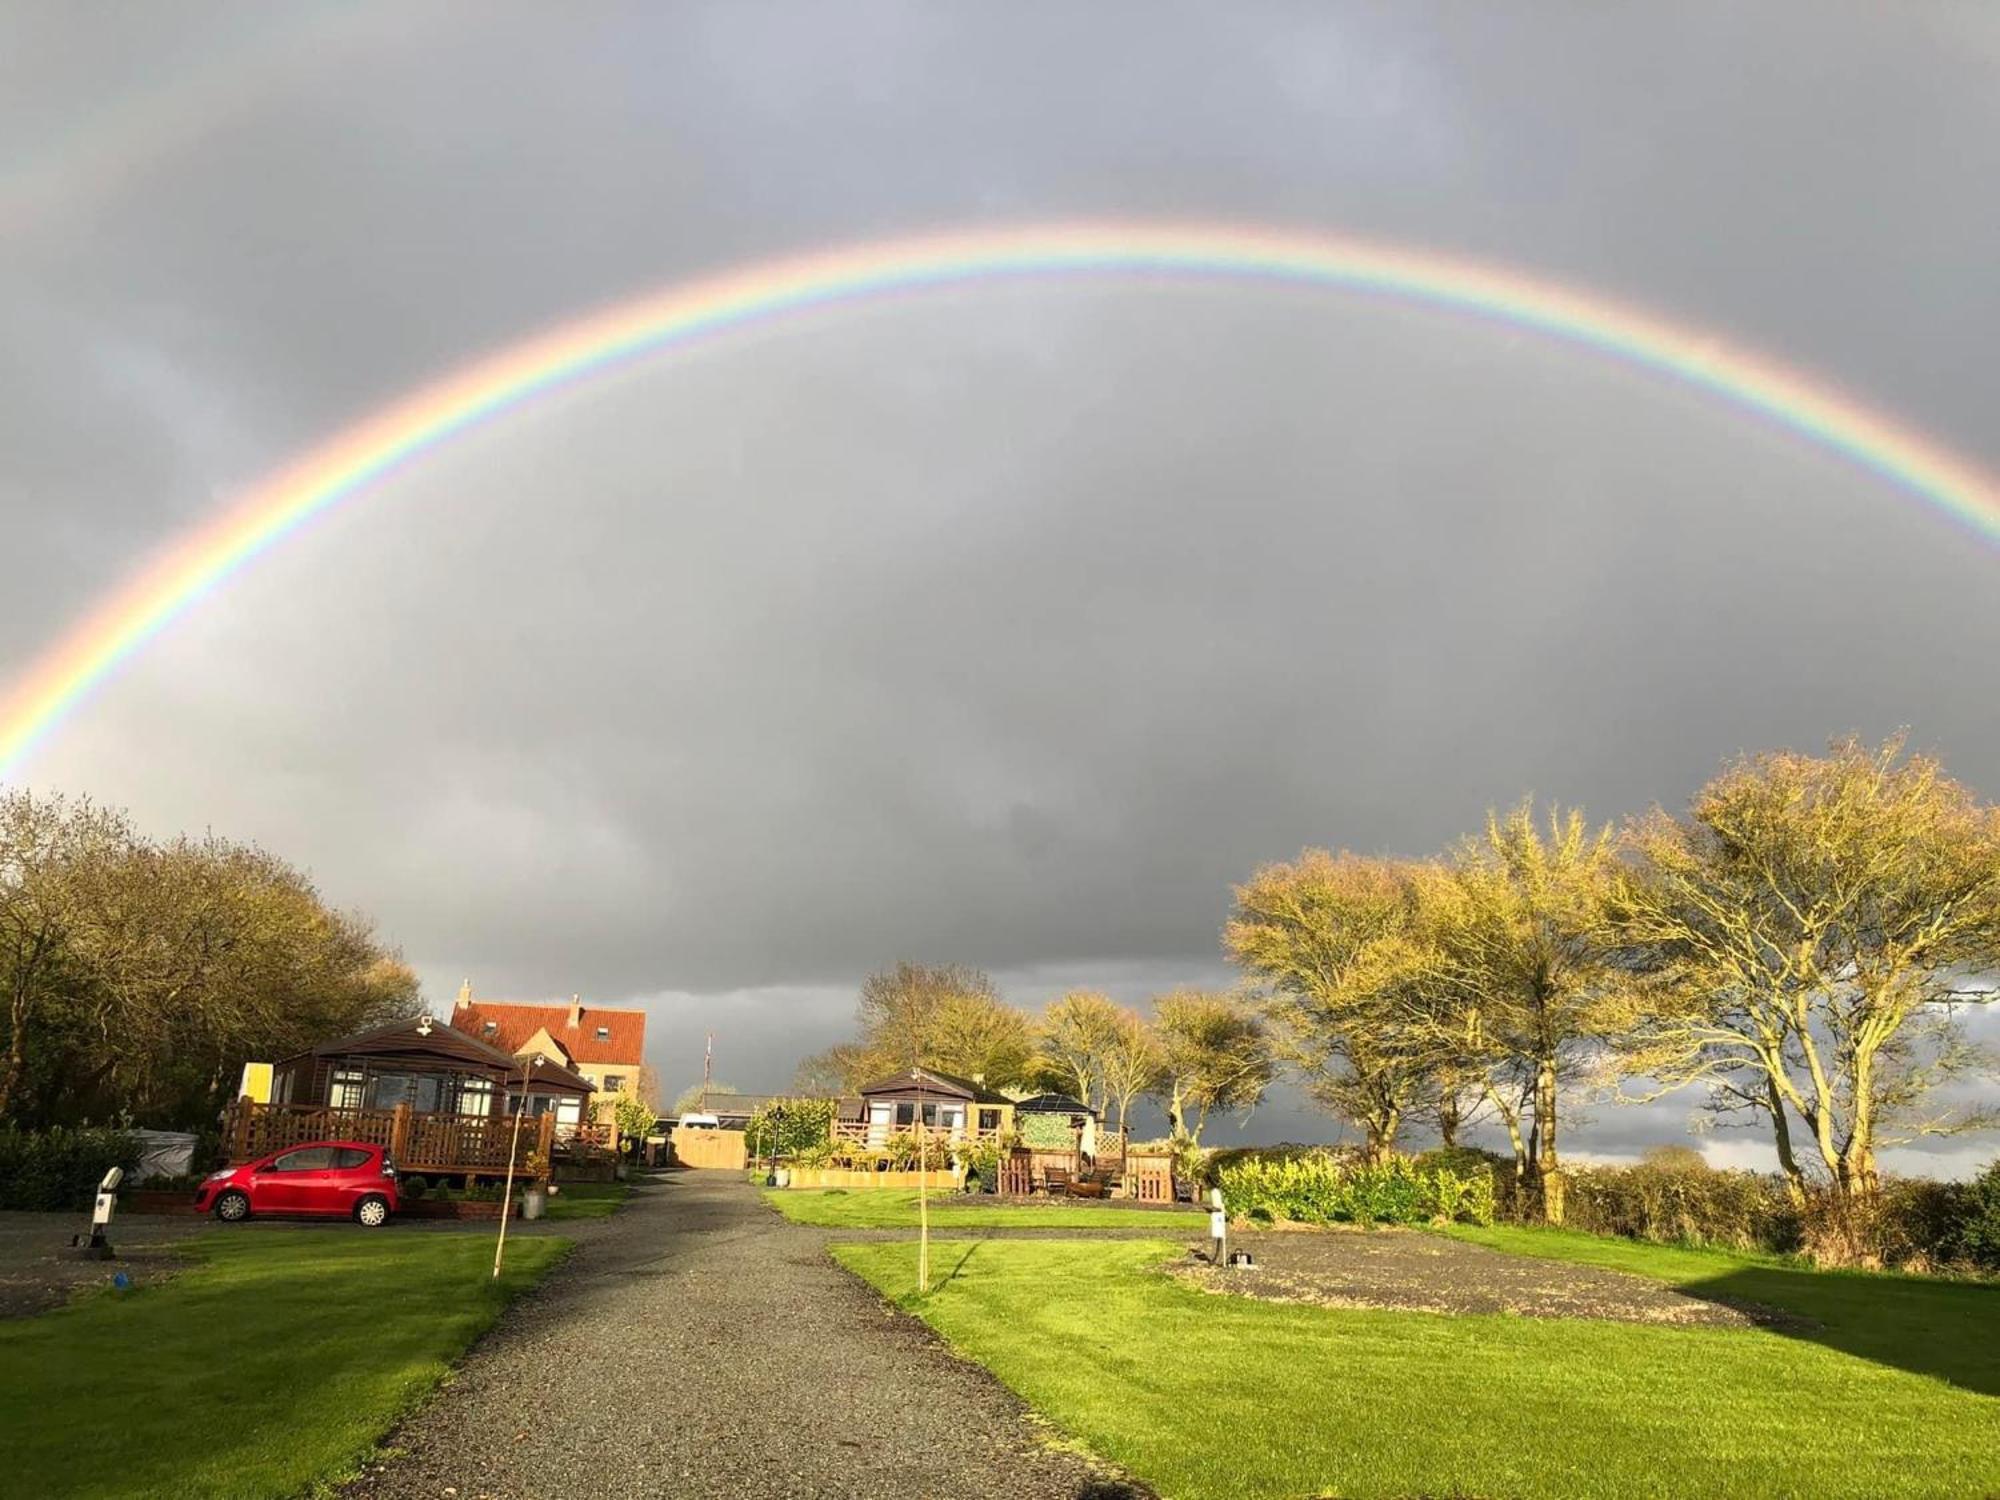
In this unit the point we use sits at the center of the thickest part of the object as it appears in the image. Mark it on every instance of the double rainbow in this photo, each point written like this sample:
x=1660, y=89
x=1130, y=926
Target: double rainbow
x=123, y=624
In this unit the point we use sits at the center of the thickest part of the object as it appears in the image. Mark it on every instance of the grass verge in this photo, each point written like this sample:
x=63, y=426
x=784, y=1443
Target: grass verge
x=1930, y=1325
x=587, y=1200
x=272, y=1364
x=1228, y=1398
x=885, y=1208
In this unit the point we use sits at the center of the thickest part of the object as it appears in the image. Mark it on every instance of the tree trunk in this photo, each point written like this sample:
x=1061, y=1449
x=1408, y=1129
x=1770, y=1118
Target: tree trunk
x=1781, y=1129
x=1448, y=1118
x=17, y=1045
x=1176, y=1114
x=1548, y=1166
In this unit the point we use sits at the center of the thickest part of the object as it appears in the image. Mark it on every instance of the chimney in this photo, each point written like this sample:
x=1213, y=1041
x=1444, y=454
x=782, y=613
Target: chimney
x=464, y=995
x=575, y=1011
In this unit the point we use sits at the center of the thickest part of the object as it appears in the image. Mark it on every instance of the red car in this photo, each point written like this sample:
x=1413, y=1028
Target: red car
x=352, y=1178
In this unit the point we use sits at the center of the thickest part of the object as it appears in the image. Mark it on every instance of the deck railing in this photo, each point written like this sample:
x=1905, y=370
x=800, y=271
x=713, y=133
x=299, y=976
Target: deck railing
x=416, y=1141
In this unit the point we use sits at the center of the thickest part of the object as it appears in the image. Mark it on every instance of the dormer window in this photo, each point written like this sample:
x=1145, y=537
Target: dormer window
x=604, y=1033
x=490, y=1027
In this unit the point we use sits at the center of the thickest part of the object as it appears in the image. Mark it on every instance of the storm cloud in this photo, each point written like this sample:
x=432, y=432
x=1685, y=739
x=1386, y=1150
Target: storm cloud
x=1009, y=624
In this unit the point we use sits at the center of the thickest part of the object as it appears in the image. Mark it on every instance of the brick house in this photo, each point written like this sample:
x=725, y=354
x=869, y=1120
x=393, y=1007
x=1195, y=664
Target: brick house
x=604, y=1045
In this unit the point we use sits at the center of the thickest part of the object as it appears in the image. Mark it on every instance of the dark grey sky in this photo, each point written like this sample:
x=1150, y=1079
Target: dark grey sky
x=1008, y=625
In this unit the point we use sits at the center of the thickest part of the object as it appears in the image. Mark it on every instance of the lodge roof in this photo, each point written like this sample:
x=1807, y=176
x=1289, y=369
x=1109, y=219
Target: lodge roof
x=928, y=1082
x=1053, y=1104
x=412, y=1041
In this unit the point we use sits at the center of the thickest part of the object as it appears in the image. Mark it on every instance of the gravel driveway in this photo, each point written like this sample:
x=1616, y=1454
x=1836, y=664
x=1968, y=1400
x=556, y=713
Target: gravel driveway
x=699, y=1345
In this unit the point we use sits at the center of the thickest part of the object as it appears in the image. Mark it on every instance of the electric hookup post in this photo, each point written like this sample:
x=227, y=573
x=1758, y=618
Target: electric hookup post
x=1218, y=1229
x=95, y=1246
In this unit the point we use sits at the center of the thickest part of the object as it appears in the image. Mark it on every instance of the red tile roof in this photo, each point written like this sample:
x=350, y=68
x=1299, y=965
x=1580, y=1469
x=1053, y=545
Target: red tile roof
x=515, y=1023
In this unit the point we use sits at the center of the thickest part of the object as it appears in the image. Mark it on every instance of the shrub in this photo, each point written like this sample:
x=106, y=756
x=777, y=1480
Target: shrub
x=1328, y=1188
x=1978, y=1236
x=412, y=1187
x=785, y=1127
x=981, y=1158
x=59, y=1168
x=1673, y=1196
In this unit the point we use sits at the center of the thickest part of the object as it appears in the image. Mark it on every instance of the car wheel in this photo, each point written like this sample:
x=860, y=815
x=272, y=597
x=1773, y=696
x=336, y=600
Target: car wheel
x=372, y=1212
x=232, y=1207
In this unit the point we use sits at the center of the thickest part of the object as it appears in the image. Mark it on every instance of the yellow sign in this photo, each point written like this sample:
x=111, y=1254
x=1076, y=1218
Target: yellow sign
x=256, y=1083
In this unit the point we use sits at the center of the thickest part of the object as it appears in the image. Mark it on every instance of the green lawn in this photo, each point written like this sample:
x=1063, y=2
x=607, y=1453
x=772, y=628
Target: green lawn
x=886, y=1208
x=1224, y=1397
x=1936, y=1327
x=275, y=1362
x=587, y=1200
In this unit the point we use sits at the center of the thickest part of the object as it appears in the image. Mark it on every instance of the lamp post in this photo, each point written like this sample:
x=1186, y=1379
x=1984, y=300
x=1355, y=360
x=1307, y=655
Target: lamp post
x=513, y=1148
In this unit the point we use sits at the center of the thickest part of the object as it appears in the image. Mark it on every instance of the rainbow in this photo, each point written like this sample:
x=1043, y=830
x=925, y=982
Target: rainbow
x=604, y=341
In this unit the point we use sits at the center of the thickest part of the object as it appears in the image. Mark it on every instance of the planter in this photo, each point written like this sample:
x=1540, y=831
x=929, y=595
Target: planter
x=842, y=1177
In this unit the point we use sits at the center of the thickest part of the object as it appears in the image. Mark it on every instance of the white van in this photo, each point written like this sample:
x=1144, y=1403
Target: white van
x=700, y=1122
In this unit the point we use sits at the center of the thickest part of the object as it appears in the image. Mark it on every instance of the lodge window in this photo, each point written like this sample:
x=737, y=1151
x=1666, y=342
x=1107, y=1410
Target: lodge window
x=989, y=1119
x=475, y=1096
x=906, y=1112
x=346, y=1089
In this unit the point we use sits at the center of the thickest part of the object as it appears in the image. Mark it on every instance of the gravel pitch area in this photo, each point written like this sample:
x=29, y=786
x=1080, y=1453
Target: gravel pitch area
x=1410, y=1271
x=39, y=1270
x=698, y=1344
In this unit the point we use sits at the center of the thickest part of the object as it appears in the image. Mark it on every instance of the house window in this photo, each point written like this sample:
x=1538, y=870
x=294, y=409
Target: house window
x=989, y=1119
x=490, y=1027
x=614, y=1083
x=604, y=1033
x=344, y=1092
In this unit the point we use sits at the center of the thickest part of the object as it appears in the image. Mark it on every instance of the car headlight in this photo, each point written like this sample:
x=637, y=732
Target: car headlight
x=218, y=1176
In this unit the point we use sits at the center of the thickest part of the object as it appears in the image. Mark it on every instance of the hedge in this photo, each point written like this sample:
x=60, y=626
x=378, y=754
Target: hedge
x=1324, y=1188
x=59, y=1169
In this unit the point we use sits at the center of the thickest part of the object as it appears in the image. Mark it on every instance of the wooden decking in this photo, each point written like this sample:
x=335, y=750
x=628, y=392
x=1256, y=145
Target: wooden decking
x=441, y=1145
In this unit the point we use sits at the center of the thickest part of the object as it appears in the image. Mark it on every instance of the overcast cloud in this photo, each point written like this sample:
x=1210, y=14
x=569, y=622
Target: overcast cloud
x=1007, y=625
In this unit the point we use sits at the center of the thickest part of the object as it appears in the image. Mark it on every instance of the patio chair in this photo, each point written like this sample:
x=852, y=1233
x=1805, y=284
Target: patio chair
x=1055, y=1181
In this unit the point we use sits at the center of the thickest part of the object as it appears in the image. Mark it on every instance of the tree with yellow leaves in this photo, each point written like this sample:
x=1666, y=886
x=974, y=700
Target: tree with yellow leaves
x=1807, y=935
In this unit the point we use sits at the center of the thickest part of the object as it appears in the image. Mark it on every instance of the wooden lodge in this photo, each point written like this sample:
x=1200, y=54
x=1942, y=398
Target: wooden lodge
x=921, y=1098
x=443, y=1102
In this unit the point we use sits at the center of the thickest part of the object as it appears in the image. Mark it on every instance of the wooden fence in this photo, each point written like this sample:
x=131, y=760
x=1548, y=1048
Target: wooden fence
x=474, y=1145
x=709, y=1149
